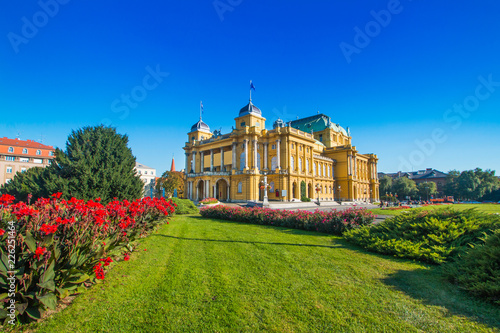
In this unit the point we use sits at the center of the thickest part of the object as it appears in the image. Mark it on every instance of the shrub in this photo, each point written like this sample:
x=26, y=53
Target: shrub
x=431, y=236
x=62, y=246
x=478, y=271
x=332, y=222
x=185, y=206
x=305, y=199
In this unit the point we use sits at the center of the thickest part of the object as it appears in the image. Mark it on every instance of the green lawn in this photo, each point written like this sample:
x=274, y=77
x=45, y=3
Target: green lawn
x=201, y=275
x=488, y=208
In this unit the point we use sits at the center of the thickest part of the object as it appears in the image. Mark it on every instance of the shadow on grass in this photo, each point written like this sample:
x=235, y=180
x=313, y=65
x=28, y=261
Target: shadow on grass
x=241, y=241
x=429, y=287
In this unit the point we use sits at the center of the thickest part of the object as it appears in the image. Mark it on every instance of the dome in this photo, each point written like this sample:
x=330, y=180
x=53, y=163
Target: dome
x=200, y=126
x=250, y=109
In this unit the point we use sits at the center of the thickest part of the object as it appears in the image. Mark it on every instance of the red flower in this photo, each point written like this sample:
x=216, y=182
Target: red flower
x=127, y=257
x=40, y=251
x=56, y=195
x=6, y=199
x=145, y=249
x=48, y=229
x=2, y=232
x=99, y=272
x=106, y=261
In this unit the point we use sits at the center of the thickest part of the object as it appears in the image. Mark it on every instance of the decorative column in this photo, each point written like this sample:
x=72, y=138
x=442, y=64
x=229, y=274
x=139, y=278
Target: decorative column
x=246, y=153
x=187, y=162
x=278, y=154
x=193, y=162
x=202, y=161
x=265, y=156
x=221, y=159
x=255, y=154
x=211, y=160
x=227, y=197
x=234, y=155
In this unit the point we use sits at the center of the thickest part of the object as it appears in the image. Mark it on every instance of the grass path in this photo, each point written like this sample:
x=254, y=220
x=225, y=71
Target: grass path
x=200, y=275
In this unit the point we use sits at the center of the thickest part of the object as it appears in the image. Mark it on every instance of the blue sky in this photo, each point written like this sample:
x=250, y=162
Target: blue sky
x=417, y=82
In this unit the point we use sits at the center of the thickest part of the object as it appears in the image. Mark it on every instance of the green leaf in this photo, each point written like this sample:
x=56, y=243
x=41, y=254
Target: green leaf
x=49, y=274
x=49, y=300
x=34, y=313
x=3, y=264
x=49, y=284
x=77, y=279
x=30, y=241
x=3, y=313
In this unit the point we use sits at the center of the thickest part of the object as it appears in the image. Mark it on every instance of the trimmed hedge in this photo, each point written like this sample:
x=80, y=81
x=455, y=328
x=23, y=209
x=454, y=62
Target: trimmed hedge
x=332, y=222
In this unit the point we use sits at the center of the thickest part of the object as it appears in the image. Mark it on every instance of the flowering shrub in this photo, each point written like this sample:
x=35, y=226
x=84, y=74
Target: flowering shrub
x=209, y=201
x=61, y=246
x=332, y=222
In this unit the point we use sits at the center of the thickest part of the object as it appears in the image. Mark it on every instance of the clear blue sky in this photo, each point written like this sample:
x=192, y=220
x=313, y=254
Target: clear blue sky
x=394, y=84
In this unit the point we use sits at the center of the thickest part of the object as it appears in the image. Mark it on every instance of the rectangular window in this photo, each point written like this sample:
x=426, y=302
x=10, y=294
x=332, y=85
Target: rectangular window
x=23, y=169
x=321, y=138
x=273, y=147
x=242, y=124
x=37, y=161
x=10, y=158
x=9, y=169
x=24, y=159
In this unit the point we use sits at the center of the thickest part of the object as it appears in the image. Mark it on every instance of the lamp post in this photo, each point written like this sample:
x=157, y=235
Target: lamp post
x=265, y=203
x=317, y=191
x=371, y=195
x=365, y=195
x=339, y=193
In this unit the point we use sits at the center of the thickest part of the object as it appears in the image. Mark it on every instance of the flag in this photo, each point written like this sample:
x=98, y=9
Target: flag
x=201, y=106
x=252, y=86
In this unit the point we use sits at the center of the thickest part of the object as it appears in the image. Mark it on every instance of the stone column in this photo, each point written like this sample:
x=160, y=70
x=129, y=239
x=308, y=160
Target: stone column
x=187, y=163
x=227, y=197
x=211, y=160
x=221, y=159
x=255, y=154
x=202, y=161
x=265, y=156
x=246, y=154
x=193, y=162
x=278, y=153
x=234, y=155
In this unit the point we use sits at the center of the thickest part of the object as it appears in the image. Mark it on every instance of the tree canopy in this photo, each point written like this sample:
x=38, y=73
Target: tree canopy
x=170, y=180
x=96, y=163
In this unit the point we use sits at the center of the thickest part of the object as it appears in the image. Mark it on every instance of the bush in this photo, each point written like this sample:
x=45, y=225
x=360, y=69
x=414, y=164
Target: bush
x=431, y=236
x=305, y=199
x=185, y=206
x=332, y=222
x=478, y=271
x=62, y=246
x=207, y=201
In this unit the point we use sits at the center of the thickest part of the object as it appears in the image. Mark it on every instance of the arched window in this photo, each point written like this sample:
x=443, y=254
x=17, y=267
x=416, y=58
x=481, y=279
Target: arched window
x=292, y=163
x=39, y=152
x=25, y=150
x=51, y=153
x=333, y=172
x=240, y=187
x=274, y=163
x=11, y=149
x=242, y=161
x=271, y=187
x=324, y=173
x=300, y=164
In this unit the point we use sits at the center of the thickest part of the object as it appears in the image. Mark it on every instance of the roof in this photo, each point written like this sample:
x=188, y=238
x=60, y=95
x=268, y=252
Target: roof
x=250, y=108
x=428, y=173
x=200, y=126
x=317, y=123
x=142, y=166
x=24, y=143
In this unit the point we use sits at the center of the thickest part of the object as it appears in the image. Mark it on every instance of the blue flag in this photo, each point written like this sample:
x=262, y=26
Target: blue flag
x=252, y=86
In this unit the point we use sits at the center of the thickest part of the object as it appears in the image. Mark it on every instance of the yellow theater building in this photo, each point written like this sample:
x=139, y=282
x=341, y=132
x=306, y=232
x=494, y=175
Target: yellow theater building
x=310, y=157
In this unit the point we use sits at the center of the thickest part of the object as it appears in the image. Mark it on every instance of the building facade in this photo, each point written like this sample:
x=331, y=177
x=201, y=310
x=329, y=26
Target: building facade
x=148, y=177
x=310, y=157
x=20, y=155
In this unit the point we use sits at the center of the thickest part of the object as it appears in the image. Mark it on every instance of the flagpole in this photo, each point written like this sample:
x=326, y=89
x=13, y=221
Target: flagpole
x=200, y=109
x=250, y=90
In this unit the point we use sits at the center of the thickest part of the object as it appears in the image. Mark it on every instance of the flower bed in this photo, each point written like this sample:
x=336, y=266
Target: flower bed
x=62, y=246
x=332, y=222
x=209, y=201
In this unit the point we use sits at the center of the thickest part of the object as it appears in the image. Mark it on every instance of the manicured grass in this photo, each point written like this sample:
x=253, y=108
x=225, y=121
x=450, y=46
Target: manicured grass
x=488, y=208
x=201, y=275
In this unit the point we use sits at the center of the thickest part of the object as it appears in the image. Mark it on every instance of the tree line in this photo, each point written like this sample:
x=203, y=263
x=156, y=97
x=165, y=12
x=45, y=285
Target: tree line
x=477, y=185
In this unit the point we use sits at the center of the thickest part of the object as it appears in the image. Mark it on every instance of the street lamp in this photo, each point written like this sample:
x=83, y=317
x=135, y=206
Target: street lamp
x=339, y=193
x=265, y=203
x=317, y=191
